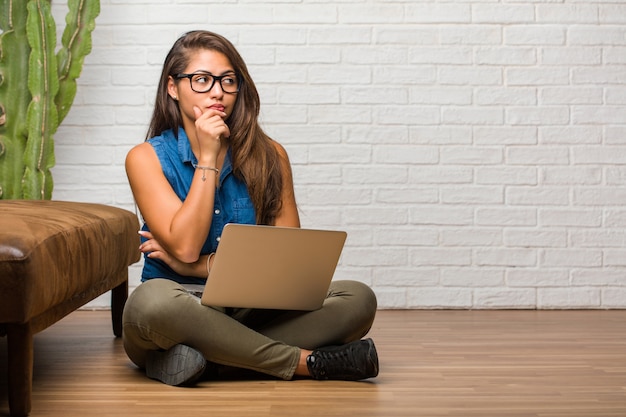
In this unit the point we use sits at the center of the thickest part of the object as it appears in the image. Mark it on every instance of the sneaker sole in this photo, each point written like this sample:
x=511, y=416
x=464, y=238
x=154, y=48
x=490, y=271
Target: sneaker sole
x=373, y=355
x=178, y=366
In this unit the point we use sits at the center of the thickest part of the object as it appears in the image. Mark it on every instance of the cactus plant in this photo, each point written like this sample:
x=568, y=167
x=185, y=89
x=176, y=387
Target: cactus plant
x=37, y=88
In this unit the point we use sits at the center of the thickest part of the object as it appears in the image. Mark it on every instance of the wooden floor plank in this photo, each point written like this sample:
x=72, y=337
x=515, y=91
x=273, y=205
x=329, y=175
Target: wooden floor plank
x=433, y=363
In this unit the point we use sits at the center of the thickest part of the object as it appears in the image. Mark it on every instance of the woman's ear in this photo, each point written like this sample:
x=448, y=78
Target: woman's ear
x=172, y=88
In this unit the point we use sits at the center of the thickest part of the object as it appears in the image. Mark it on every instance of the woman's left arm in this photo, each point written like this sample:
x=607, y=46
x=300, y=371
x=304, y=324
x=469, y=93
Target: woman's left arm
x=153, y=249
x=288, y=215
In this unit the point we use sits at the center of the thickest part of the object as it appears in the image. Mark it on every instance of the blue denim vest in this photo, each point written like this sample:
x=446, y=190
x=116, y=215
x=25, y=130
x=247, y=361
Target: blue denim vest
x=232, y=200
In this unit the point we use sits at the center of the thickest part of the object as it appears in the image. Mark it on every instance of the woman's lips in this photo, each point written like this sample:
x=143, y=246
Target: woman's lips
x=218, y=107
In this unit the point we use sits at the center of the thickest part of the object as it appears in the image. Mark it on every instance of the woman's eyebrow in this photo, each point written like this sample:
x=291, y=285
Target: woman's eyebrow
x=203, y=71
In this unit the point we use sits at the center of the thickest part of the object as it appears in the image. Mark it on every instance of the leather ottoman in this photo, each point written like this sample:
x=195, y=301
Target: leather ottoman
x=56, y=256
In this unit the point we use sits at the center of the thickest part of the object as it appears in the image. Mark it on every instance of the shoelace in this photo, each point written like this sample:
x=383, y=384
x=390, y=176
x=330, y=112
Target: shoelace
x=334, y=362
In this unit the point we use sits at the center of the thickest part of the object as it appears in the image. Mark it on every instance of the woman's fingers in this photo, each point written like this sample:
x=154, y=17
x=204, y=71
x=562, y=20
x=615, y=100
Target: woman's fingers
x=211, y=123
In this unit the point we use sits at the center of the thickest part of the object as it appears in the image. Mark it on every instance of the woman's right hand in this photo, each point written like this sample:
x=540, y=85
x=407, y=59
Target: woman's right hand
x=210, y=129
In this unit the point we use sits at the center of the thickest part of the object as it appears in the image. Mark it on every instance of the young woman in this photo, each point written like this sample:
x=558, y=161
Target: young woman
x=206, y=163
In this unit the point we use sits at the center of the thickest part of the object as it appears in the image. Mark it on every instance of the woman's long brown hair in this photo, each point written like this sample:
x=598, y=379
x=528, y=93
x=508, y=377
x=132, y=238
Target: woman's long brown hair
x=254, y=156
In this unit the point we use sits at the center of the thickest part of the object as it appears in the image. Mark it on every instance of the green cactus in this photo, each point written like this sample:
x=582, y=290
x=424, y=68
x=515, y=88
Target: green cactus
x=37, y=88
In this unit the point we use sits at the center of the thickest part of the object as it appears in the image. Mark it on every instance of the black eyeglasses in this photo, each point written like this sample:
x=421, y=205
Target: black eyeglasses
x=201, y=82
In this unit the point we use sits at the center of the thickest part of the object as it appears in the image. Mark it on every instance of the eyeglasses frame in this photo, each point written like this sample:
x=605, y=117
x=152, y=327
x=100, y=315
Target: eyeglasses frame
x=215, y=78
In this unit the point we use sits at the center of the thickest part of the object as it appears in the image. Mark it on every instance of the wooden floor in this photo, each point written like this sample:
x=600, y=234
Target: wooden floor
x=433, y=363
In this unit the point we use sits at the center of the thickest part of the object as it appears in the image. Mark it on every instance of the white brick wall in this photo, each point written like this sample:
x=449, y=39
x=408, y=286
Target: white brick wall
x=475, y=151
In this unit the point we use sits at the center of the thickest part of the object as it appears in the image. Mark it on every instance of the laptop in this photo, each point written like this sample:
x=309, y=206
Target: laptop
x=272, y=267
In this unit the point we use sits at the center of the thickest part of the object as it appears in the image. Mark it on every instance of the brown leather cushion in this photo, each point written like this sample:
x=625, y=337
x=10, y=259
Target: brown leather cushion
x=51, y=251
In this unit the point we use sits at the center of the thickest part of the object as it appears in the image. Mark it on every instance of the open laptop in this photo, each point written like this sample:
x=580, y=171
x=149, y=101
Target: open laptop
x=272, y=267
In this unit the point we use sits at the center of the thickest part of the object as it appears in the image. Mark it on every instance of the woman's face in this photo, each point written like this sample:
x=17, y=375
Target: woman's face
x=206, y=62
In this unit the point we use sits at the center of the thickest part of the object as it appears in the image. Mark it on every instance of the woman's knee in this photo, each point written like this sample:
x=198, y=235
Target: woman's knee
x=369, y=296
x=358, y=306
x=150, y=300
x=358, y=292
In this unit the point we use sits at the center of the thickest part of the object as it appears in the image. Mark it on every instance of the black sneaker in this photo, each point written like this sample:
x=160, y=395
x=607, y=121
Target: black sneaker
x=351, y=362
x=180, y=365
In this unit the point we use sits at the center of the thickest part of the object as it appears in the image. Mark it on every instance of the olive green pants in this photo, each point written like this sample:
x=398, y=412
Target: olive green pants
x=160, y=314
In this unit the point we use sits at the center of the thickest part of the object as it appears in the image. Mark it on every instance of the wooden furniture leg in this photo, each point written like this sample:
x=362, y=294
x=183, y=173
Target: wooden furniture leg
x=119, y=295
x=20, y=354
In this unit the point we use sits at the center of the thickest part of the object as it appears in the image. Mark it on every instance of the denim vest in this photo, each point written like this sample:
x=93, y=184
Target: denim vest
x=232, y=200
